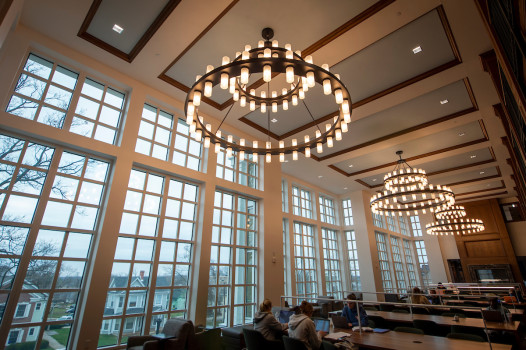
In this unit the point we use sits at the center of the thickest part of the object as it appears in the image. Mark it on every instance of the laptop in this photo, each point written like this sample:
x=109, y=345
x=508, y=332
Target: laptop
x=322, y=324
x=493, y=316
x=339, y=321
x=284, y=316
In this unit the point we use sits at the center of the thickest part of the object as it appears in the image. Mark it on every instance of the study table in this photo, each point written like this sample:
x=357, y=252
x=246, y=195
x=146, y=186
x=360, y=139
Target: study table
x=446, y=321
x=409, y=341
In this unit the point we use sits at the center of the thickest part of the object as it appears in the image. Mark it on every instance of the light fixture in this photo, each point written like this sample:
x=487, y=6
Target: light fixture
x=267, y=60
x=406, y=191
x=452, y=221
x=461, y=133
x=417, y=50
x=473, y=156
x=443, y=102
x=117, y=28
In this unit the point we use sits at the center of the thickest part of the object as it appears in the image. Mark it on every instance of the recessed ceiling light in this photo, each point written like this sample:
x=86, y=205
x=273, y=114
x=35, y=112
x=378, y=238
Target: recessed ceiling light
x=443, y=102
x=481, y=172
x=274, y=120
x=374, y=180
x=417, y=50
x=350, y=166
x=473, y=156
x=320, y=176
x=461, y=133
x=117, y=28
x=345, y=188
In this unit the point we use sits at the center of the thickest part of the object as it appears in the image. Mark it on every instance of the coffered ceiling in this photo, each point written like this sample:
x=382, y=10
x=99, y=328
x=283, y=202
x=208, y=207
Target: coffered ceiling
x=436, y=105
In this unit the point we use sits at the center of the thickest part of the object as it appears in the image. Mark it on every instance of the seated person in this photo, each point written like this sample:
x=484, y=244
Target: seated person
x=416, y=298
x=350, y=312
x=301, y=327
x=266, y=323
x=495, y=305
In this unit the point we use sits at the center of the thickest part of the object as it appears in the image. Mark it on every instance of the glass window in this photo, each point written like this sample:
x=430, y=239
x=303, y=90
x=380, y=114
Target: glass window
x=301, y=202
x=187, y=152
x=44, y=93
x=231, y=168
x=422, y=261
x=71, y=205
x=402, y=222
x=398, y=264
x=327, y=212
x=378, y=220
x=409, y=263
x=331, y=262
x=284, y=197
x=392, y=223
x=305, y=260
x=415, y=226
x=153, y=257
x=232, y=286
x=352, y=250
x=383, y=258
x=347, y=213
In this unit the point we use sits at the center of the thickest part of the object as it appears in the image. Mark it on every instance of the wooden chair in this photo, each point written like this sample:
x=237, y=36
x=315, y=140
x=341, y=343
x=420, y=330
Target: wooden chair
x=293, y=344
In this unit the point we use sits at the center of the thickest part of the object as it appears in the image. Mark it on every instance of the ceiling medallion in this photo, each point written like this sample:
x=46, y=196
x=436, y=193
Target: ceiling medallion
x=452, y=221
x=268, y=59
x=406, y=190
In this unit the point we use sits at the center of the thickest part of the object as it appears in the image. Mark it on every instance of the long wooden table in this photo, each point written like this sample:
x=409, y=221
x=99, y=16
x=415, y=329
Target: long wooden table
x=447, y=321
x=408, y=341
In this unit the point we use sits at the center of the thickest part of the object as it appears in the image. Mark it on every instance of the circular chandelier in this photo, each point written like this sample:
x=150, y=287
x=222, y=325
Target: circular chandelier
x=268, y=59
x=453, y=220
x=406, y=190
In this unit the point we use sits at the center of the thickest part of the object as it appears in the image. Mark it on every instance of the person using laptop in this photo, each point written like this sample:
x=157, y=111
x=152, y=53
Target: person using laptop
x=302, y=327
x=417, y=297
x=351, y=312
x=495, y=305
x=266, y=324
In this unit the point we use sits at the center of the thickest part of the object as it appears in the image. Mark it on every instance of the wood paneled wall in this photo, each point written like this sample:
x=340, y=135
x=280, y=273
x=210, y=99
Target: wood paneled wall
x=491, y=246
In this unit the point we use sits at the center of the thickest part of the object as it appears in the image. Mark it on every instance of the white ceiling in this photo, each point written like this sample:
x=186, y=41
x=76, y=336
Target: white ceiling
x=396, y=94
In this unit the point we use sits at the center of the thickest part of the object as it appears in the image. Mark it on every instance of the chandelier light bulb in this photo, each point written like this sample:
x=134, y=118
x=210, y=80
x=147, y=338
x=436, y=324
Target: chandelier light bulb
x=267, y=53
x=235, y=96
x=242, y=101
x=209, y=68
x=229, y=152
x=224, y=81
x=294, y=155
x=245, y=55
x=252, y=105
x=307, y=152
x=198, y=135
x=294, y=100
x=241, y=155
x=217, y=147
x=301, y=94
x=208, y=89
x=232, y=85
x=338, y=96
x=338, y=134
x=255, y=157
x=345, y=127
x=274, y=43
x=288, y=47
x=325, y=66
x=285, y=105
x=267, y=73
x=261, y=44
x=274, y=107
x=268, y=158
x=197, y=98
x=327, y=87
x=282, y=157
x=289, y=74
x=207, y=142
x=304, y=84
x=225, y=60
x=329, y=142
x=308, y=59
x=244, y=75
x=263, y=107
x=311, y=82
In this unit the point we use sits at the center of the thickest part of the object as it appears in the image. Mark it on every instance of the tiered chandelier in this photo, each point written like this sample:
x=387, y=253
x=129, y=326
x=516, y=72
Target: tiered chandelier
x=453, y=220
x=406, y=190
x=268, y=59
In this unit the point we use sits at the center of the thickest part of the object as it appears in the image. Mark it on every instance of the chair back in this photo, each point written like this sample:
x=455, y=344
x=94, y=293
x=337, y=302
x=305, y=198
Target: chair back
x=325, y=345
x=209, y=339
x=465, y=336
x=428, y=327
x=409, y=330
x=254, y=340
x=293, y=344
x=378, y=321
x=181, y=329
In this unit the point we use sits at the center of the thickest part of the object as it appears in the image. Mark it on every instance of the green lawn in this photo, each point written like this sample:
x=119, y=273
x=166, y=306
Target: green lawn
x=57, y=312
x=62, y=335
x=107, y=339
